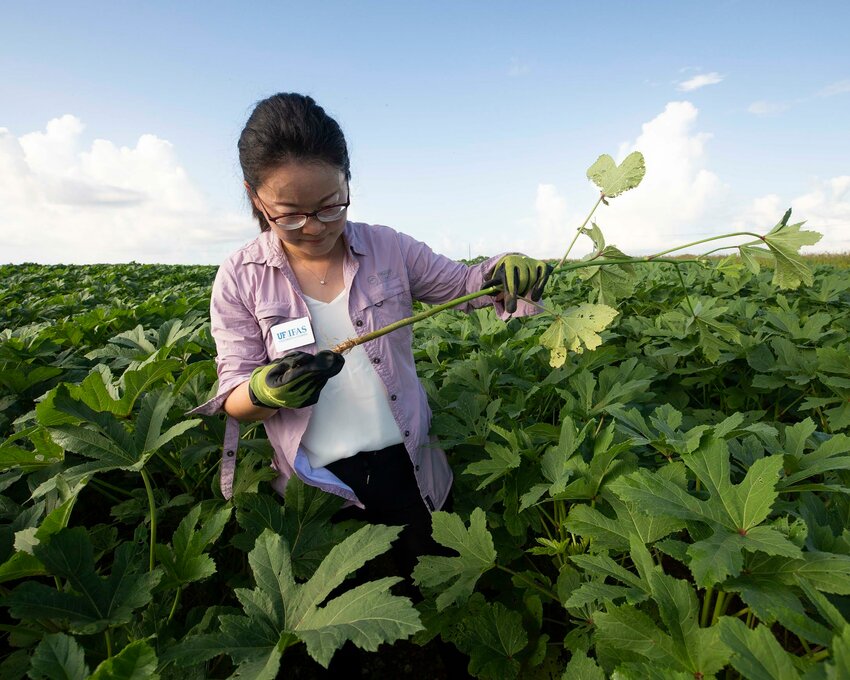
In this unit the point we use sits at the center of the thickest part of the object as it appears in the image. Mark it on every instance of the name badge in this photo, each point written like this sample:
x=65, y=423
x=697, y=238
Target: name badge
x=292, y=334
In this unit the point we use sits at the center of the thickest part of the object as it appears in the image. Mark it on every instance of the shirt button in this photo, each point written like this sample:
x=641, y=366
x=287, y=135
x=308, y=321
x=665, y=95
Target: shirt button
x=393, y=397
x=417, y=468
x=376, y=360
x=407, y=433
x=359, y=322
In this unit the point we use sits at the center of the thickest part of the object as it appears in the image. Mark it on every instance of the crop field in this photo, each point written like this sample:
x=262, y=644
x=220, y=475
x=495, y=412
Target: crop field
x=671, y=504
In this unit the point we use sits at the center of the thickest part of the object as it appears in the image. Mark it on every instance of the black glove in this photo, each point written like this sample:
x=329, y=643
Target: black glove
x=519, y=275
x=293, y=381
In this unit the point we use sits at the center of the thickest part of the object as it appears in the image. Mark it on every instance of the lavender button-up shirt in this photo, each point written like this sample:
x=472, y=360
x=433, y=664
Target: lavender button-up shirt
x=384, y=272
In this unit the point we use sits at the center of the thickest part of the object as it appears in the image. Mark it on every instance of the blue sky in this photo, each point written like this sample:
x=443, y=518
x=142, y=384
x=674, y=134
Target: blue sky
x=470, y=124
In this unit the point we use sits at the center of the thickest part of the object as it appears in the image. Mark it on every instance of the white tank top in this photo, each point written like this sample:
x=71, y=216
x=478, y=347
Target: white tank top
x=353, y=412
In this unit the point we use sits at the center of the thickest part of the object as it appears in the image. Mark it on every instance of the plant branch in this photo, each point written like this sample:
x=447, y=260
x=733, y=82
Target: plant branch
x=578, y=231
x=152, y=506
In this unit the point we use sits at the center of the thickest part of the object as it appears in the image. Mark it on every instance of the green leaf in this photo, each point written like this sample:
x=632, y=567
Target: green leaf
x=185, y=562
x=581, y=667
x=493, y=641
x=784, y=242
x=58, y=657
x=732, y=512
x=608, y=533
x=625, y=633
x=697, y=649
x=755, y=653
x=612, y=179
x=24, y=564
x=476, y=556
x=576, y=329
x=501, y=461
x=307, y=525
x=279, y=611
x=96, y=602
x=137, y=661
x=610, y=282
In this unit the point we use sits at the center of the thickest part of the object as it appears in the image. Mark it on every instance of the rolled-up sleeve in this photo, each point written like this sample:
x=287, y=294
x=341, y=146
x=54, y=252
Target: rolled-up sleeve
x=436, y=278
x=238, y=340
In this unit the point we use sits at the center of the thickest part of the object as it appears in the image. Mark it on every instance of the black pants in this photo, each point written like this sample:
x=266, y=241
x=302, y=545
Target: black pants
x=386, y=485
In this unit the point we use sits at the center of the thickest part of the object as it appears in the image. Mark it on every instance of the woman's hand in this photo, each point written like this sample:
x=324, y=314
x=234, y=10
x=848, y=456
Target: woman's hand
x=519, y=275
x=293, y=381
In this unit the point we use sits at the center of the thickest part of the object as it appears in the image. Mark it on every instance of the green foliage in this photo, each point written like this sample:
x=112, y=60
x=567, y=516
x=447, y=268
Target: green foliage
x=279, y=612
x=658, y=490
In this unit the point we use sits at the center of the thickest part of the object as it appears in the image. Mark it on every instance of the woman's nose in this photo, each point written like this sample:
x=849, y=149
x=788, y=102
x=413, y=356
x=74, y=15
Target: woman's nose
x=313, y=227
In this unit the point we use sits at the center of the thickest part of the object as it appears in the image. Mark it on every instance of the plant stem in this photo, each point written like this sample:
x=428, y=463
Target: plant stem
x=706, y=606
x=707, y=240
x=578, y=231
x=719, y=606
x=819, y=656
x=152, y=506
x=174, y=606
x=685, y=290
x=108, y=636
x=534, y=585
x=374, y=335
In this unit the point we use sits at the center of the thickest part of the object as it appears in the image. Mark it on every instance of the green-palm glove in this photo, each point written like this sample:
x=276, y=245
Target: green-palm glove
x=519, y=275
x=293, y=381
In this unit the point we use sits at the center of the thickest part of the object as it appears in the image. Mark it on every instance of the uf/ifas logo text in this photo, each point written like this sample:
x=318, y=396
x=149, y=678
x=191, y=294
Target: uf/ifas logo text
x=292, y=332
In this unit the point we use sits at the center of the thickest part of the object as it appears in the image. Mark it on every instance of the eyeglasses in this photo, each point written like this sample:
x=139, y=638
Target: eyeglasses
x=291, y=221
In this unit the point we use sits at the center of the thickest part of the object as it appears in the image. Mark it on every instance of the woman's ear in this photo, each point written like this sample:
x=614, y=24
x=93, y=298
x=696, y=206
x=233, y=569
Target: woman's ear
x=250, y=192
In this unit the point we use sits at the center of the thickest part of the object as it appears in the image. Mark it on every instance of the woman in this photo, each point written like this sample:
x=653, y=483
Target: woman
x=356, y=426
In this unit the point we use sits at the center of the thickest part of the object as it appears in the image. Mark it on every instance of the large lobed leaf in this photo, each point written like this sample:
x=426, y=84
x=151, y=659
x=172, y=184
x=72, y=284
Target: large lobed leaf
x=476, y=556
x=576, y=329
x=279, y=611
x=94, y=603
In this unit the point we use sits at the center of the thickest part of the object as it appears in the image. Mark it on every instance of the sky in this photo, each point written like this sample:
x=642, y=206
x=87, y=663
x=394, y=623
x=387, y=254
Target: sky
x=470, y=124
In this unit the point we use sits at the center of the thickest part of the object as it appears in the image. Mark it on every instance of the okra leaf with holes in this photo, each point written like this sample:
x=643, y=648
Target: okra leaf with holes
x=93, y=602
x=614, y=179
x=732, y=512
x=185, y=561
x=476, y=555
x=576, y=329
x=280, y=612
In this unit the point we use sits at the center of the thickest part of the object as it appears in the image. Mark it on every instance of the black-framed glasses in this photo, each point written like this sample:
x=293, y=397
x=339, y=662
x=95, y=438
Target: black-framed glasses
x=291, y=221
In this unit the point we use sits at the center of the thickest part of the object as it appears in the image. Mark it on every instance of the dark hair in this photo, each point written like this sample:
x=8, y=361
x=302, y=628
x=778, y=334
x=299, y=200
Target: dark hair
x=288, y=127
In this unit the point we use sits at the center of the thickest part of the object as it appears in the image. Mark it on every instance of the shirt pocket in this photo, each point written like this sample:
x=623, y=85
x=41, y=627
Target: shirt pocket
x=388, y=302
x=269, y=314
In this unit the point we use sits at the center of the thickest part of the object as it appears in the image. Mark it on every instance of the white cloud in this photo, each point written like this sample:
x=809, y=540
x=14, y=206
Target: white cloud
x=699, y=81
x=825, y=208
x=63, y=202
x=677, y=191
x=672, y=201
x=840, y=87
x=765, y=108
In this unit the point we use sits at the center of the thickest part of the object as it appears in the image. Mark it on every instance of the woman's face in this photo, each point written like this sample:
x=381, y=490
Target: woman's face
x=304, y=187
